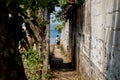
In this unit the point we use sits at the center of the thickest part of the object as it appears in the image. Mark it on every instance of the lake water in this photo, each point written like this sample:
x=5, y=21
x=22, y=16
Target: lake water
x=53, y=33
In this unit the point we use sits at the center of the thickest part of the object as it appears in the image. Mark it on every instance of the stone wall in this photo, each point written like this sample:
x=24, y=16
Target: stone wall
x=65, y=35
x=95, y=40
x=99, y=40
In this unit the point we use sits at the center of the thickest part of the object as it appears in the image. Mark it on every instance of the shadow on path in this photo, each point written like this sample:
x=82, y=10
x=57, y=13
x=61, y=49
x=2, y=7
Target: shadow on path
x=57, y=61
x=60, y=65
x=57, y=64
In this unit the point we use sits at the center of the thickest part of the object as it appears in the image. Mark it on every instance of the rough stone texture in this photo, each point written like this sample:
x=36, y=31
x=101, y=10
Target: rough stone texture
x=99, y=53
x=65, y=35
x=95, y=40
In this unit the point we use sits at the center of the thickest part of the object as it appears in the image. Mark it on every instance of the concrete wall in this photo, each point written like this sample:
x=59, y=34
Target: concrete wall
x=99, y=40
x=65, y=35
x=95, y=39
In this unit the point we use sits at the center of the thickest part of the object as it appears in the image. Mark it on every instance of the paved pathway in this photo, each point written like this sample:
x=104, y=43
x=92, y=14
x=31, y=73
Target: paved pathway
x=61, y=68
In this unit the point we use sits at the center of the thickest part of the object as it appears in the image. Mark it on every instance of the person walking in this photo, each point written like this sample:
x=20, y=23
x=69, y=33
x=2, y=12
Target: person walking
x=57, y=41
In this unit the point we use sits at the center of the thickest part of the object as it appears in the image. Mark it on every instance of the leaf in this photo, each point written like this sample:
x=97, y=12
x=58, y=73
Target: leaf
x=29, y=29
x=21, y=1
x=17, y=59
x=34, y=22
x=58, y=27
x=6, y=54
x=23, y=12
x=20, y=20
x=43, y=3
x=63, y=2
x=43, y=23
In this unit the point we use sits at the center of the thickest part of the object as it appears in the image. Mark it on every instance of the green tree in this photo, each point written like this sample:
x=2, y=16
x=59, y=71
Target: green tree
x=13, y=13
x=58, y=27
x=11, y=67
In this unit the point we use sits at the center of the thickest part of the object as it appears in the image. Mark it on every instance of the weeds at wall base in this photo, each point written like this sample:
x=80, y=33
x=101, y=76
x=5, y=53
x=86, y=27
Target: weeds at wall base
x=33, y=64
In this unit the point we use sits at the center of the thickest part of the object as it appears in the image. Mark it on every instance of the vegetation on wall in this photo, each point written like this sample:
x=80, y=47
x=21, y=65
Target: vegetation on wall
x=58, y=27
x=68, y=7
x=13, y=14
x=32, y=64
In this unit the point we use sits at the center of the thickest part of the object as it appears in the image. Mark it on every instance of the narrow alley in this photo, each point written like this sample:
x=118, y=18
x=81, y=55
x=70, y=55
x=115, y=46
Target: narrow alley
x=61, y=66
